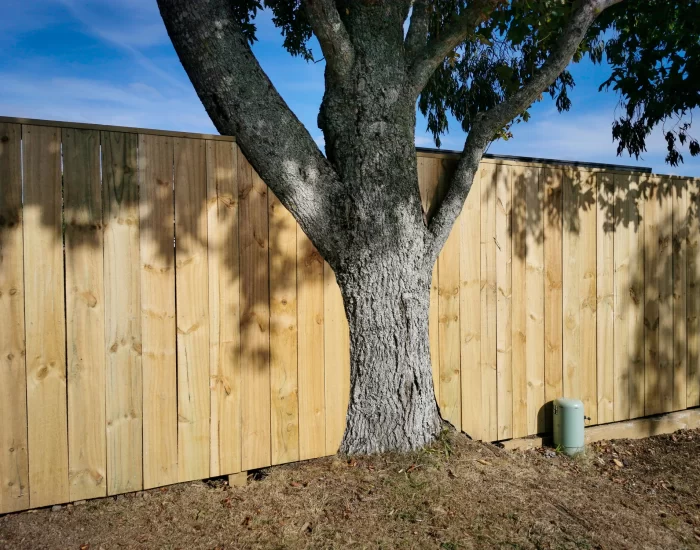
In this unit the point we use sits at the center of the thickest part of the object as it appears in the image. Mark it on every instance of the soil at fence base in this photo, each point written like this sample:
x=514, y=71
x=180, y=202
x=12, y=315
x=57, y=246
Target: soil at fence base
x=458, y=494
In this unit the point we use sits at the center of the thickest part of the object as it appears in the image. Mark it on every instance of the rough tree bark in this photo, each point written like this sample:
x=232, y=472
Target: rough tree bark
x=360, y=205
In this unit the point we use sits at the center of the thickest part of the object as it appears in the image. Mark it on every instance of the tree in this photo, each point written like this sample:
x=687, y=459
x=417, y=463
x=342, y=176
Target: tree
x=485, y=62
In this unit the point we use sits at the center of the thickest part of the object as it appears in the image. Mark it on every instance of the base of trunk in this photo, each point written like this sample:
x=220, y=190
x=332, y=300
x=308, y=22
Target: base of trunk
x=392, y=401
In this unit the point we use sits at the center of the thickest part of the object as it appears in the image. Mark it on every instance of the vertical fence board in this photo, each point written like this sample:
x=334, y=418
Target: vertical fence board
x=192, y=297
x=470, y=311
x=519, y=299
x=312, y=416
x=553, y=329
x=693, y=298
x=504, y=365
x=535, y=322
x=605, y=312
x=489, y=390
x=255, y=318
x=679, y=315
x=336, y=346
x=283, y=333
x=124, y=390
x=224, y=318
x=44, y=312
x=85, y=314
x=448, y=331
x=652, y=265
x=158, y=325
x=665, y=282
x=623, y=207
x=14, y=474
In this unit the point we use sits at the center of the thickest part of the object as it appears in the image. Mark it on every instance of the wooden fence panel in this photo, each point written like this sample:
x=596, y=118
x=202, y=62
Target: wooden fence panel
x=312, y=414
x=85, y=314
x=255, y=319
x=605, y=310
x=448, y=330
x=122, y=284
x=535, y=285
x=283, y=333
x=489, y=408
x=553, y=308
x=224, y=315
x=470, y=312
x=693, y=298
x=158, y=324
x=14, y=473
x=665, y=282
x=45, y=317
x=679, y=199
x=191, y=283
x=336, y=348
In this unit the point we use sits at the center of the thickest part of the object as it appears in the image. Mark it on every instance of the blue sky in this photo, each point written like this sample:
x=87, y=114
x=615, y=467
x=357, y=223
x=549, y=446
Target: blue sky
x=111, y=62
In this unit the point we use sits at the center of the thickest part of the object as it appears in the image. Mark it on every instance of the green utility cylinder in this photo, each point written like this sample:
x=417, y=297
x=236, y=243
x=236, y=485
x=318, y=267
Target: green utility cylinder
x=568, y=425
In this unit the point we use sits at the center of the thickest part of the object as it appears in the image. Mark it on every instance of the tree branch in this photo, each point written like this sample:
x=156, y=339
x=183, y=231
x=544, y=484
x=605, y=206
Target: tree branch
x=489, y=123
x=332, y=35
x=417, y=34
x=430, y=57
x=242, y=102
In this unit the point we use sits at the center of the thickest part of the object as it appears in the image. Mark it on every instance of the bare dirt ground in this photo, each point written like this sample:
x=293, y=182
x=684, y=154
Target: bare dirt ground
x=458, y=494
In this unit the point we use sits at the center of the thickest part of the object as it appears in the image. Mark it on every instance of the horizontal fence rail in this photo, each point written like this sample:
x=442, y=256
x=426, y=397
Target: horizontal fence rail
x=164, y=318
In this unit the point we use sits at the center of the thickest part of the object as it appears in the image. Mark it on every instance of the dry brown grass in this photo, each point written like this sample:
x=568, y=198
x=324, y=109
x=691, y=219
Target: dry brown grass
x=457, y=494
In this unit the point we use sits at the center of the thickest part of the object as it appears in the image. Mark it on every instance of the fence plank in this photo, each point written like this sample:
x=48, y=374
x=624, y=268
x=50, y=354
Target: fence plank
x=448, y=331
x=336, y=346
x=519, y=301
x=85, y=330
x=283, y=333
x=679, y=314
x=579, y=290
x=624, y=208
x=158, y=325
x=534, y=326
x=652, y=402
x=255, y=318
x=469, y=312
x=14, y=473
x=489, y=407
x=192, y=297
x=224, y=318
x=124, y=389
x=693, y=298
x=553, y=308
x=45, y=317
x=504, y=365
x=312, y=414
x=605, y=312
x=665, y=282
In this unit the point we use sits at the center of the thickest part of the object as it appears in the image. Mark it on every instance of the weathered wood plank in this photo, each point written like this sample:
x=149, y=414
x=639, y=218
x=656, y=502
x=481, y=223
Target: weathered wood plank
x=652, y=268
x=44, y=312
x=224, y=315
x=504, y=350
x=605, y=312
x=448, y=331
x=519, y=302
x=624, y=207
x=693, y=299
x=312, y=413
x=470, y=311
x=14, y=465
x=680, y=268
x=255, y=318
x=534, y=325
x=553, y=308
x=158, y=324
x=665, y=282
x=85, y=314
x=489, y=389
x=122, y=283
x=192, y=296
x=336, y=346
x=283, y=333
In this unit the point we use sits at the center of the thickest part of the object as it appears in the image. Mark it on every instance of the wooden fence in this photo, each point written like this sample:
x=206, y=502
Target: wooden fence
x=129, y=363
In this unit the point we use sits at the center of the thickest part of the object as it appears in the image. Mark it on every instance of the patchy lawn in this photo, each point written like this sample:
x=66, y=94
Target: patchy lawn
x=458, y=494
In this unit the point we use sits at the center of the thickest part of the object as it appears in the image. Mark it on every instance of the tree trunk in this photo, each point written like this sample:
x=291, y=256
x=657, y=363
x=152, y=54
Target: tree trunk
x=392, y=403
